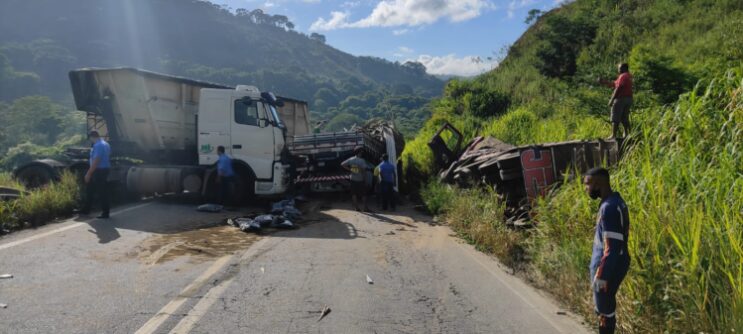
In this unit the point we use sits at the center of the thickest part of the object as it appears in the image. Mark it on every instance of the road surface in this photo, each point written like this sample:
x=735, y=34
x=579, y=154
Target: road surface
x=162, y=267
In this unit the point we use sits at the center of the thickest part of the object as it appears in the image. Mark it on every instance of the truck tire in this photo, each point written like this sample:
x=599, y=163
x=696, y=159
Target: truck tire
x=36, y=176
x=243, y=190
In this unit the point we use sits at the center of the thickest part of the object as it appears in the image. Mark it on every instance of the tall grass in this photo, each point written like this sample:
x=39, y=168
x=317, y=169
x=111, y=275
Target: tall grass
x=38, y=206
x=683, y=182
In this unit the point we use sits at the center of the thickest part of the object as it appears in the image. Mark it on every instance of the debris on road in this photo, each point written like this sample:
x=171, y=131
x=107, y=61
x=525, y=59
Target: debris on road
x=369, y=280
x=562, y=313
x=3, y=276
x=209, y=207
x=282, y=216
x=324, y=312
x=263, y=270
x=3, y=305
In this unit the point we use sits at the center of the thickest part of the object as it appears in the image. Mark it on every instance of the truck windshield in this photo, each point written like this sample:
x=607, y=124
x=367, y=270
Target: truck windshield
x=276, y=117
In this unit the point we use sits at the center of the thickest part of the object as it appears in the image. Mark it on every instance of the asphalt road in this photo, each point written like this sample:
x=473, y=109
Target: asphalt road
x=162, y=267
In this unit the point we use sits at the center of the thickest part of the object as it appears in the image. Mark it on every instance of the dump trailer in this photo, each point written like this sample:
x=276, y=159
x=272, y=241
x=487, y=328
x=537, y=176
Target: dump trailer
x=164, y=132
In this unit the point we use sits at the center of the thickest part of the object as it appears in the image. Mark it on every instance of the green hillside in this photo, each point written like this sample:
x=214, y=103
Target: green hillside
x=41, y=40
x=683, y=177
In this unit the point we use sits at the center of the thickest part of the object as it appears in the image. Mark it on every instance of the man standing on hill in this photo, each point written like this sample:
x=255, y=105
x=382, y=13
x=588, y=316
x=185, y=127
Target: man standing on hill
x=387, y=177
x=621, y=100
x=96, y=179
x=610, y=259
x=358, y=168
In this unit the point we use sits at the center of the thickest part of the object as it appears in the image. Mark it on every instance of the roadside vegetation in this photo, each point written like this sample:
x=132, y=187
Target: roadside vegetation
x=38, y=206
x=682, y=177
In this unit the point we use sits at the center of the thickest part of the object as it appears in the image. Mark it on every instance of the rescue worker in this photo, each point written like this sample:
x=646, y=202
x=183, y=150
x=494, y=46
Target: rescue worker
x=358, y=168
x=225, y=174
x=97, y=175
x=387, y=176
x=610, y=260
x=621, y=100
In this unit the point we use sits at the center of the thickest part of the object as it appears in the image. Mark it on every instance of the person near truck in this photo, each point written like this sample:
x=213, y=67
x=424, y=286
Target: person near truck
x=358, y=168
x=387, y=176
x=621, y=100
x=96, y=178
x=225, y=174
x=610, y=259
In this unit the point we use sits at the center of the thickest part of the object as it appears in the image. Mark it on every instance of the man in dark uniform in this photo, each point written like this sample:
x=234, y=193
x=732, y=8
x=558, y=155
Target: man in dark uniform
x=610, y=259
x=97, y=175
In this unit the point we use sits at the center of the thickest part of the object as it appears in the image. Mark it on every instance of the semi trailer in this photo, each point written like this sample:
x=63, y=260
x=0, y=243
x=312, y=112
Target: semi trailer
x=164, y=132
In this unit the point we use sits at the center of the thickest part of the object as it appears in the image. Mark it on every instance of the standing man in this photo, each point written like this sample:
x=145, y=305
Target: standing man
x=610, y=259
x=358, y=168
x=387, y=176
x=225, y=174
x=621, y=100
x=97, y=176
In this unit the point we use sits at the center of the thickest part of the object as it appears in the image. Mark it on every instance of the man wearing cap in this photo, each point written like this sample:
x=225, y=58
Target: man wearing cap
x=97, y=175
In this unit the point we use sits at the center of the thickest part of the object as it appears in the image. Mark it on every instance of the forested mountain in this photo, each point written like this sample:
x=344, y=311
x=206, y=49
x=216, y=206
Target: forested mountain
x=41, y=40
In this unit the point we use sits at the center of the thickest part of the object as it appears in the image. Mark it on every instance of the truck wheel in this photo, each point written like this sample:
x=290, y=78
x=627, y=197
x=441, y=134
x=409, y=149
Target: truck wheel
x=35, y=176
x=243, y=189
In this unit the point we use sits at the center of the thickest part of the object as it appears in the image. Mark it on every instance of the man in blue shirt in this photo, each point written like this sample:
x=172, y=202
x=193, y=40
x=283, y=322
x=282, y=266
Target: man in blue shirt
x=610, y=259
x=97, y=176
x=387, y=176
x=225, y=174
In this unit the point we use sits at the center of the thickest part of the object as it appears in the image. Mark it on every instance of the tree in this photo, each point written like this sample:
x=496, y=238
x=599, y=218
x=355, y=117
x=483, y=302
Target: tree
x=534, y=14
x=317, y=37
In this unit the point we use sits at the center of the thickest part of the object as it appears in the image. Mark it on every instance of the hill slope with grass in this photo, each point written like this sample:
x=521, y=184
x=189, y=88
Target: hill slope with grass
x=682, y=178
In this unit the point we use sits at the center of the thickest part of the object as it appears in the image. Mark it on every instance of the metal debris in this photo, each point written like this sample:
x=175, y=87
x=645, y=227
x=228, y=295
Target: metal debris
x=517, y=174
x=209, y=207
x=369, y=280
x=3, y=305
x=6, y=276
x=324, y=312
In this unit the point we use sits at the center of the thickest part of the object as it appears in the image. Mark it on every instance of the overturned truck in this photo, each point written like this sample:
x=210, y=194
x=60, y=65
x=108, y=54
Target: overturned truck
x=519, y=174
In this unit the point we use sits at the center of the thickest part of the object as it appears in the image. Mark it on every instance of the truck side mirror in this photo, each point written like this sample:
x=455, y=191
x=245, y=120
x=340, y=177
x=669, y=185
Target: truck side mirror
x=263, y=122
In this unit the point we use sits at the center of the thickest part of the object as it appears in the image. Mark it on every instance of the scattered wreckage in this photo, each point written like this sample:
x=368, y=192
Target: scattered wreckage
x=519, y=174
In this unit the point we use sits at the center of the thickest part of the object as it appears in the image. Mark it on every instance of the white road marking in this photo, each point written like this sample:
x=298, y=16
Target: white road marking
x=200, y=309
x=212, y=295
x=165, y=312
x=515, y=291
x=64, y=228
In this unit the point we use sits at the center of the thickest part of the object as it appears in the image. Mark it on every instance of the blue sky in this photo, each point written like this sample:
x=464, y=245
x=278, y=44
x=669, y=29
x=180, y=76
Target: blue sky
x=444, y=35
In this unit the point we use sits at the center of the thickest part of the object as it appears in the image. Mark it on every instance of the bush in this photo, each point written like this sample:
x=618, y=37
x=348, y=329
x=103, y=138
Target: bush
x=39, y=206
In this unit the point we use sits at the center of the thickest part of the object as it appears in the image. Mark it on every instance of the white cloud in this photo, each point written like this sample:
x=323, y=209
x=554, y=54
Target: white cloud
x=337, y=20
x=395, y=13
x=399, y=32
x=451, y=65
x=518, y=4
x=402, y=52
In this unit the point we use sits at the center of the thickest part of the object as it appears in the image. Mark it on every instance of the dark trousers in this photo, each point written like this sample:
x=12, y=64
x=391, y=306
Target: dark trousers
x=225, y=188
x=606, y=301
x=387, y=190
x=97, y=188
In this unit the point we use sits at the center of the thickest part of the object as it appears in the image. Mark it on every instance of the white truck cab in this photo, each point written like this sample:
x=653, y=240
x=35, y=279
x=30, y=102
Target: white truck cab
x=249, y=127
